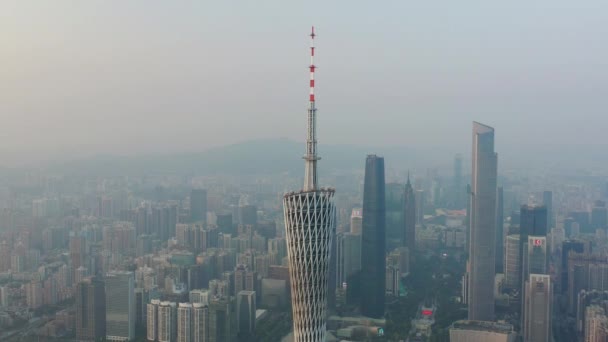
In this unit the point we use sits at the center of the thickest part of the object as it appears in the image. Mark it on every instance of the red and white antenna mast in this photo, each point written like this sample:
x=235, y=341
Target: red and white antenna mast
x=310, y=174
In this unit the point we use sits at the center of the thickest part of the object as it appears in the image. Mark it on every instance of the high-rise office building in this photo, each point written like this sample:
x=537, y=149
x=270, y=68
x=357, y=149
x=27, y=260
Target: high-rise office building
x=480, y=331
x=500, y=235
x=512, y=264
x=535, y=258
x=568, y=246
x=409, y=218
x=309, y=224
x=356, y=221
x=533, y=222
x=420, y=200
x=548, y=203
x=373, y=265
x=245, y=315
x=244, y=279
x=221, y=320
x=198, y=205
x=90, y=310
x=120, y=306
x=458, y=190
x=538, y=296
x=534, y=262
x=482, y=225
x=585, y=272
x=77, y=252
x=184, y=322
x=348, y=256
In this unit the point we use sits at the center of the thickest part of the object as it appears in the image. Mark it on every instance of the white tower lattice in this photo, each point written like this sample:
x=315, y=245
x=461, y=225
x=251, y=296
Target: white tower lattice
x=309, y=222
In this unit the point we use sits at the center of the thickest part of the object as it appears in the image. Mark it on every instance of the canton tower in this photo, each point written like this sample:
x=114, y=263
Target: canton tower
x=309, y=223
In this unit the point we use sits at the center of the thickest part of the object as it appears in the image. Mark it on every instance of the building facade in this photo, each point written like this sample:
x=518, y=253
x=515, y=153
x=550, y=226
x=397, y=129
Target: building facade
x=120, y=306
x=482, y=230
x=373, y=265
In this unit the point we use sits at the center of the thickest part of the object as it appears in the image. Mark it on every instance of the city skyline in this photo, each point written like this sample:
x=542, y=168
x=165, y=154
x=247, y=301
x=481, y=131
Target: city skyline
x=128, y=214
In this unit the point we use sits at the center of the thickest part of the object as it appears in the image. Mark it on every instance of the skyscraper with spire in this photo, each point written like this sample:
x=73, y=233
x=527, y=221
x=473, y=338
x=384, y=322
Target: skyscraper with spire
x=409, y=218
x=309, y=223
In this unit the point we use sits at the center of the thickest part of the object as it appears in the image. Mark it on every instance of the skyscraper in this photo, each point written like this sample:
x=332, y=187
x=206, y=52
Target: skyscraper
x=221, y=320
x=409, y=218
x=348, y=256
x=548, y=203
x=499, y=230
x=356, y=220
x=309, y=224
x=152, y=320
x=120, y=306
x=200, y=322
x=90, y=310
x=512, y=264
x=482, y=225
x=373, y=265
x=245, y=315
x=533, y=222
x=538, y=294
x=458, y=190
x=198, y=205
x=184, y=322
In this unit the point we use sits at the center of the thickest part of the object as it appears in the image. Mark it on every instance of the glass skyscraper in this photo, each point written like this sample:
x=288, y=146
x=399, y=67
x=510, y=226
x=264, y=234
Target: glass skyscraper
x=373, y=264
x=482, y=225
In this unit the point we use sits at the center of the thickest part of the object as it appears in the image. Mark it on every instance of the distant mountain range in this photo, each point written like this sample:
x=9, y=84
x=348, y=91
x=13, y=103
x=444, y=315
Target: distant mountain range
x=282, y=155
x=251, y=157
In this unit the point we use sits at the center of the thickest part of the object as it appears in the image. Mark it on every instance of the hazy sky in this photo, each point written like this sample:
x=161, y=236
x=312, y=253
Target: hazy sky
x=121, y=77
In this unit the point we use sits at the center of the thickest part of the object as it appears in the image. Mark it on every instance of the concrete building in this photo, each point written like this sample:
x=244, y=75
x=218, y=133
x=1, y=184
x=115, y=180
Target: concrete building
x=409, y=218
x=120, y=306
x=90, y=310
x=245, y=315
x=512, y=264
x=184, y=322
x=200, y=323
x=480, y=331
x=596, y=324
x=221, y=320
x=348, y=256
x=167, y=321
x=356, y=221
x=538, y=297
x=199, y=296
x=198, y=205
x=482, y=229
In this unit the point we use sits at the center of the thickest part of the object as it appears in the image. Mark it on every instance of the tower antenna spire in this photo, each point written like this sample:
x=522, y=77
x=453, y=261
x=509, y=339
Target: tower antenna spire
x=310, y=174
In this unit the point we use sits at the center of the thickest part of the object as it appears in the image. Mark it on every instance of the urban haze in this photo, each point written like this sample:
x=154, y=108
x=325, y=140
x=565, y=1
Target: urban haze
x=309, y=172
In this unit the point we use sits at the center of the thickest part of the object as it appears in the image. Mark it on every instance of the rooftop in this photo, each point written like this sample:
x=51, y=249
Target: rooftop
x=483, y=326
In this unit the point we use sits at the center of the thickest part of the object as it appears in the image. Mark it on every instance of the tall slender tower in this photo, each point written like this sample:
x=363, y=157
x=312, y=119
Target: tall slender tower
x=482, y=225
x=409, y=219
x=309, y=224
x=373, y=239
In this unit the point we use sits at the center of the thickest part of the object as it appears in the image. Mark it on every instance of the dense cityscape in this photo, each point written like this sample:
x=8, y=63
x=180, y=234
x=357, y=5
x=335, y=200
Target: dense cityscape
x=247, y=249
